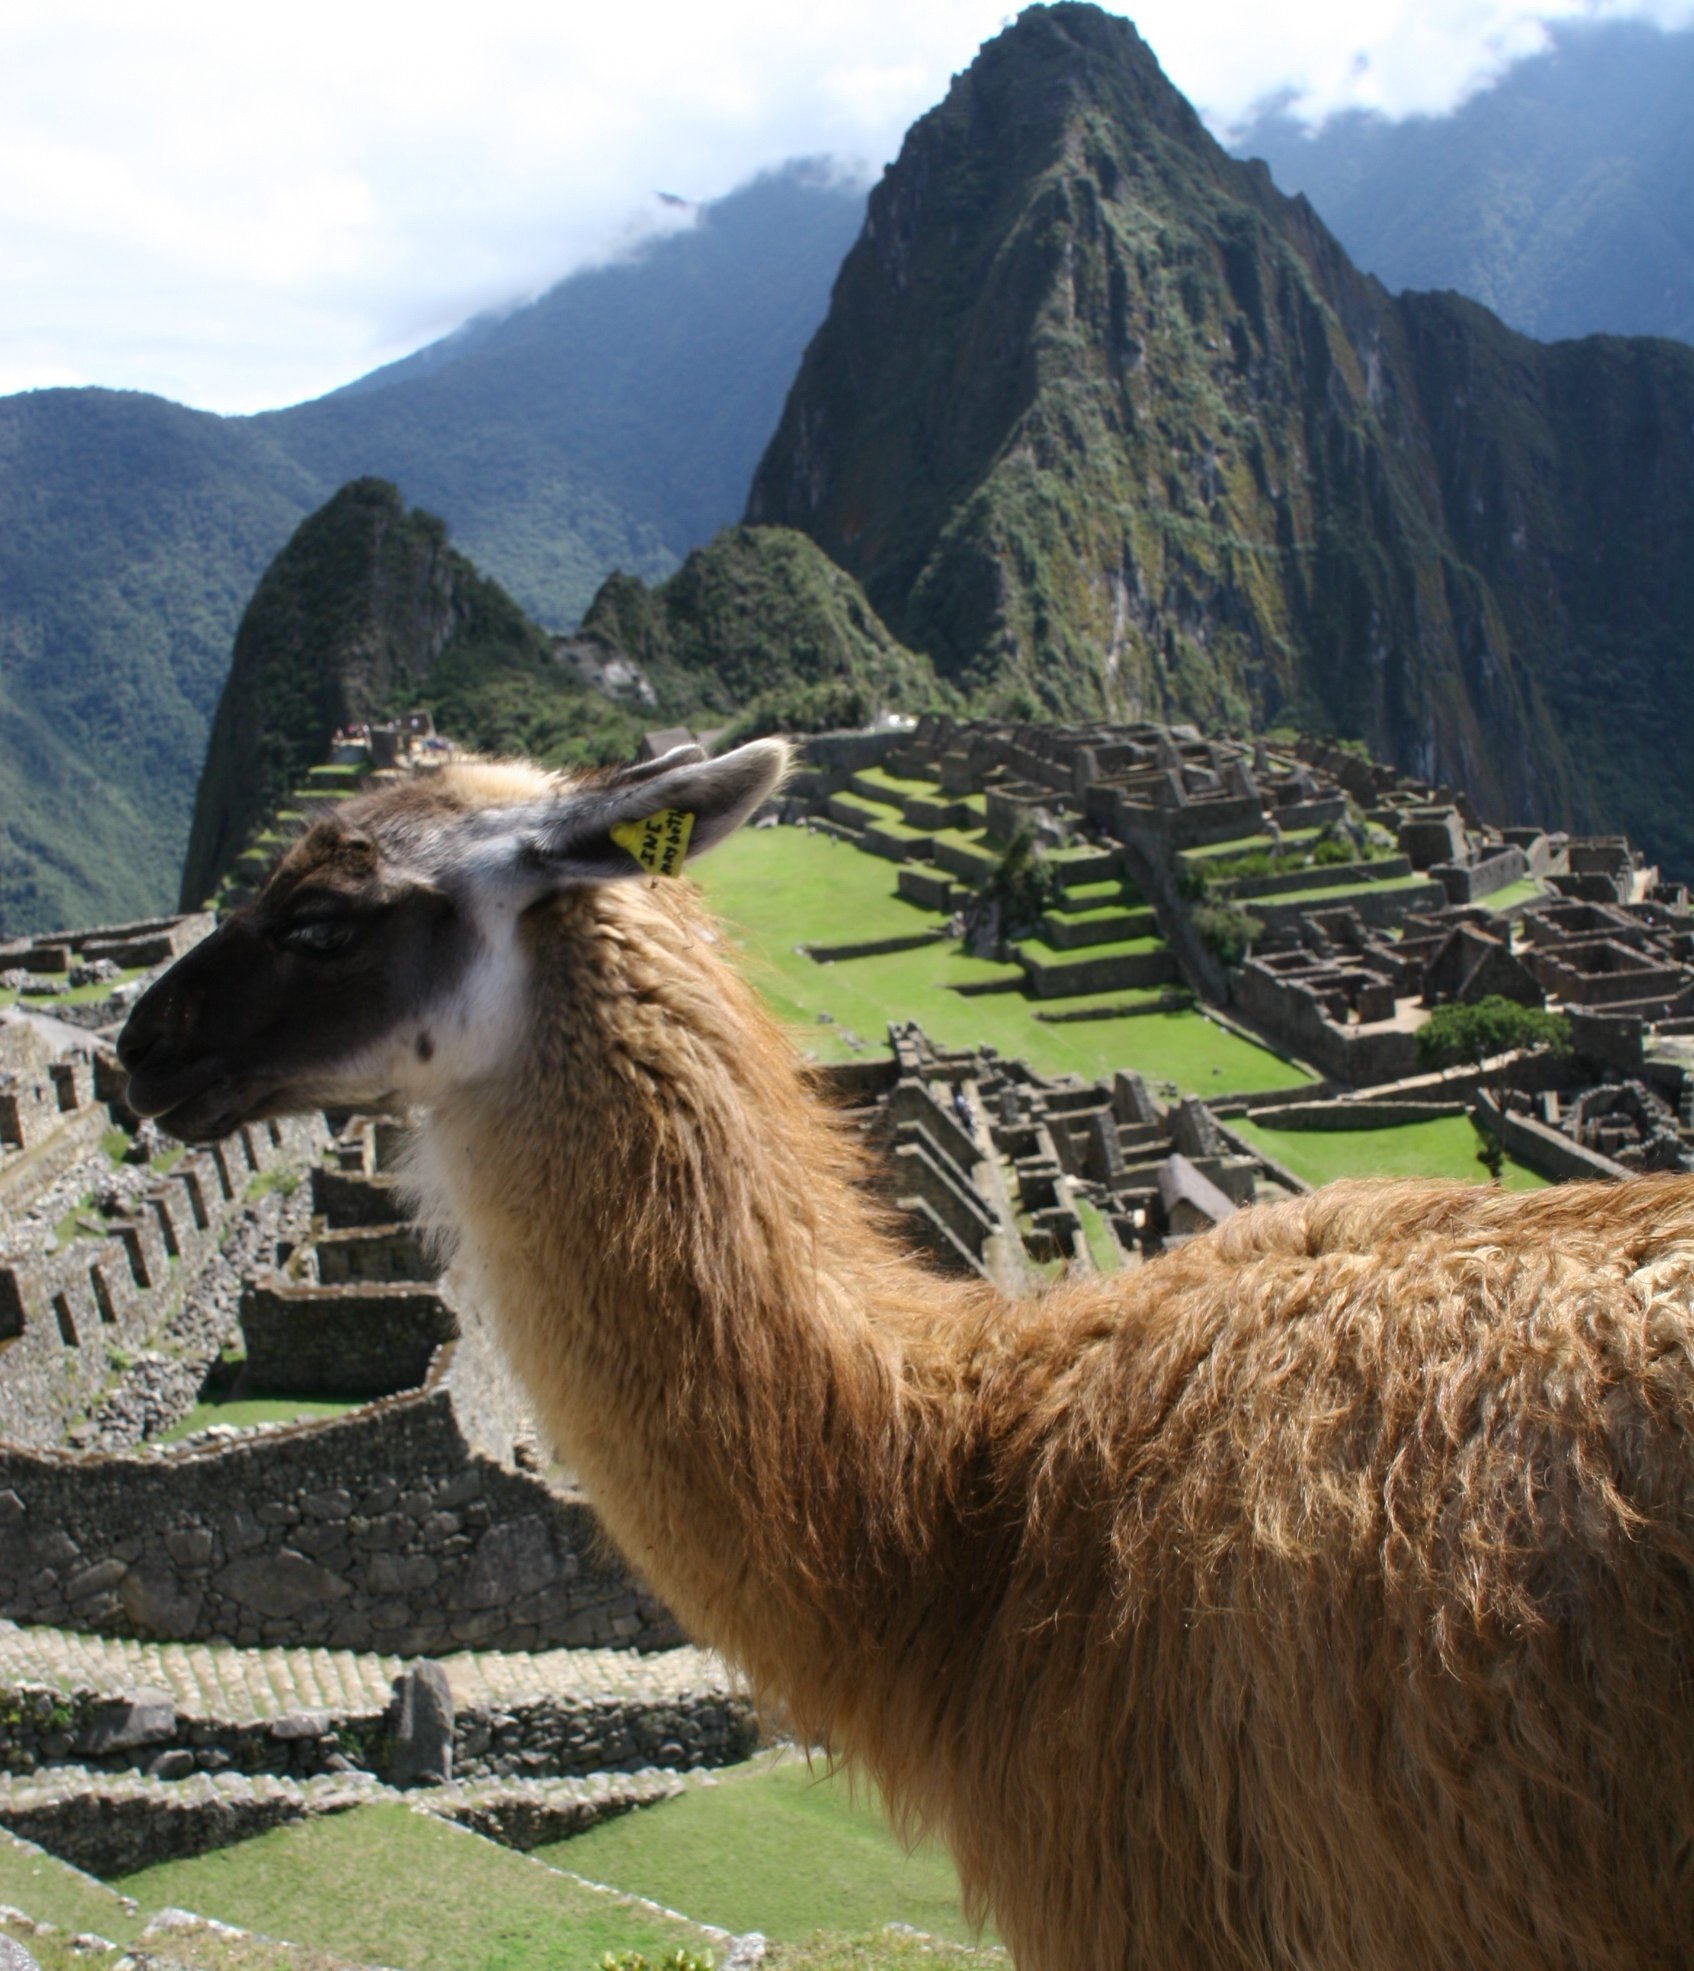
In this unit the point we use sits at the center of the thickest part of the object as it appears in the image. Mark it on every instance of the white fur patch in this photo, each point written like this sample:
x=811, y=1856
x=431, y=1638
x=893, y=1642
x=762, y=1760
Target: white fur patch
x=471, y=1032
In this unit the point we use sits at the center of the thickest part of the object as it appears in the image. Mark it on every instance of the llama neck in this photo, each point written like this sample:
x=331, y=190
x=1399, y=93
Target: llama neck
x=764, y=1396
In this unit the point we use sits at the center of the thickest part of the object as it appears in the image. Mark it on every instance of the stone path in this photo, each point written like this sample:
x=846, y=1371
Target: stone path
x=210, y=1680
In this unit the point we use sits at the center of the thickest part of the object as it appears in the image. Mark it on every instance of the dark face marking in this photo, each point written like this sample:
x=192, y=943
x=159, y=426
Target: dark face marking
x=266, y=1015
x=426, y=1048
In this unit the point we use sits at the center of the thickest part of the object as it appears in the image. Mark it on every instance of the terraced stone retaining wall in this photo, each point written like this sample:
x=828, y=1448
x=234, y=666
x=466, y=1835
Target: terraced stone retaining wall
x=364, y=1338
x=63, y=1314
x=114, y=1826
x=565, y=1736
x=381, y=1530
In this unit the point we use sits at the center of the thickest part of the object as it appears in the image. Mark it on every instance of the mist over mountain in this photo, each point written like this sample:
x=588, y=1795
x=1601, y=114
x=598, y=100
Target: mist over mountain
x=1562, y=197
x=614, y=423
x=1105, y=424
x=1098, y=422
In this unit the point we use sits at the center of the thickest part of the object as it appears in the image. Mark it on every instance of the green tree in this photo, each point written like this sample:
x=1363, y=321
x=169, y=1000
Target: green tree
x=1012, y=898
x=1496, y=1035
x=1227, y=931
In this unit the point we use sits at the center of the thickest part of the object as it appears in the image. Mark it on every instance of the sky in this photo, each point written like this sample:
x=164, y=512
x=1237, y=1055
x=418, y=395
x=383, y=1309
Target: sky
x=241, y=207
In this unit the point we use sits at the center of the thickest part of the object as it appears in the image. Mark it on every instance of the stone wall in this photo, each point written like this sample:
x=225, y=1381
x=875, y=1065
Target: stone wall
x=63, y=1314
x=382, y=1530
x=113, y=1826
x=365, y=1338
x=1356, y=1115
x=1293, y=1016
x=532, y=1738
x=1547, y=1150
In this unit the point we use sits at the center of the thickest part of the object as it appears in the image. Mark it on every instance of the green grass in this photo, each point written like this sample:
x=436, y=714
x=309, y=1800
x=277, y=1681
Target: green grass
x=1245, y=845
x=265, y=1181
x=247, y=1411
x=385, y=1885
x=1444, y=1147
x=74, y=1226
x=51, y=1892
x=1525, y=890
x=778, y=888
x=1060, y=958
x=772, y=1847
x=85, y=995
x=1340, y=892
x=867, y=809
x=885, y=1950
x=973, y=842
x=1103, y=1246
x=899, y=785
x=1080, y=900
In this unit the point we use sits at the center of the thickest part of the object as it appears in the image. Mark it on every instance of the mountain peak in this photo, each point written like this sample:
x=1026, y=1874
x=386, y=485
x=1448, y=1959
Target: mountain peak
x=1105, y=425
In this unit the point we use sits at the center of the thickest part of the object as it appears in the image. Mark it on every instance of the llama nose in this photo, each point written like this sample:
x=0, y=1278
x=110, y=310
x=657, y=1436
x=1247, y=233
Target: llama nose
x=142, y=1033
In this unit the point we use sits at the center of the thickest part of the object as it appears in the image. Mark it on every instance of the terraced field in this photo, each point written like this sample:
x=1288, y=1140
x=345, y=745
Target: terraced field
x=782, y=889
x=1446, y=1147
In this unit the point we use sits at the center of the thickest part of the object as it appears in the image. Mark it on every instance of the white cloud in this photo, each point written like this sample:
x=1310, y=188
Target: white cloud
x=244, y=206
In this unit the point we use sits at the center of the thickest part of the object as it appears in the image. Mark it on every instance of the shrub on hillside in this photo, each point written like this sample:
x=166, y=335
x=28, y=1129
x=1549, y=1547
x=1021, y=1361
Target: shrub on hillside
x=1227, y=932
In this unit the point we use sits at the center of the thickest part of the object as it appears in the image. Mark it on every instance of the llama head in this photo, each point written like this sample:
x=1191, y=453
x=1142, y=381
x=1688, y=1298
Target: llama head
x=386, y=956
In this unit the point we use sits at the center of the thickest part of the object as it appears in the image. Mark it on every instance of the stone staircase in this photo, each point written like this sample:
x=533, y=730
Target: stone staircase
x=123, y=1752
x=215, y=1680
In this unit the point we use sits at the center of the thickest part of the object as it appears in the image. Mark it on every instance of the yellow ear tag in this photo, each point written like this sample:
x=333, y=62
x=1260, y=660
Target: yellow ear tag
x=659, y=843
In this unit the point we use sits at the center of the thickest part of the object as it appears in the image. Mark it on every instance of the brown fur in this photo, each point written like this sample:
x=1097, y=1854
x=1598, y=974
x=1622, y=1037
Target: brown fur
x=1321, y=1596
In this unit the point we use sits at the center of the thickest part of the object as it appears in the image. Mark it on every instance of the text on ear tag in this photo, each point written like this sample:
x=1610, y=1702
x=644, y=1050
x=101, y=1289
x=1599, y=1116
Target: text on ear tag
x=660, y=842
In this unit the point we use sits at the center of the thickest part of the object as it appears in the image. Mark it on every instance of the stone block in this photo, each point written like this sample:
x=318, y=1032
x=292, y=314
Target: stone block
x=158, y=1602
x=189, y=1546
x=281, y=1585
x=423, y=1726
x=121, y=1724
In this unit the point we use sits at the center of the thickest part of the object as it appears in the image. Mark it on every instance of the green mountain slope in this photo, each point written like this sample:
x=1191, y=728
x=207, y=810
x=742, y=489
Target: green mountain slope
x=1562, y=197
x=1104, y=423
x=131, y=532
x=613, y=423
x=759, y=622
x=368, y=610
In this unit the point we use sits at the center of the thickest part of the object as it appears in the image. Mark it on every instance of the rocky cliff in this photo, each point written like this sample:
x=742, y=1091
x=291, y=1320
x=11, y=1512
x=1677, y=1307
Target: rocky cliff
x=1105, y=424
x=365, y=610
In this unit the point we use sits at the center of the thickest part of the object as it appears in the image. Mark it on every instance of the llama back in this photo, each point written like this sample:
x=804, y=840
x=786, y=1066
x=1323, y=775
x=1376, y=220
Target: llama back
x=1391, y=1501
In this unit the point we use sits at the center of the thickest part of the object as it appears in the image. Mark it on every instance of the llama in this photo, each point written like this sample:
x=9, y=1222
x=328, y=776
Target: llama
x=1320, y=1596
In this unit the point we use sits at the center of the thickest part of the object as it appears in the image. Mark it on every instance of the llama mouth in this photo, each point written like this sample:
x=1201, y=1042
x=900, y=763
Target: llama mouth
x=198, y=1104
x=151, y=1093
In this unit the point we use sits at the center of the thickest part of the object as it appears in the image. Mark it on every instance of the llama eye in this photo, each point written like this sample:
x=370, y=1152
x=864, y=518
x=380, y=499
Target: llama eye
x=318, y=935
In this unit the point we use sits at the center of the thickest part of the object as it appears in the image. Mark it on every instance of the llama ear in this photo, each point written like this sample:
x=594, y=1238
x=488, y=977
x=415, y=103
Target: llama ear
x=650, y=821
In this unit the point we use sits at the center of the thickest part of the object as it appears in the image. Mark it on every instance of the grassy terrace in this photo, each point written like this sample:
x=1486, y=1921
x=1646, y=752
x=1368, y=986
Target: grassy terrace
x=869, y=809
x=779, y=888
x=77, y=996
x=898, y=786
x=1445, y=1147
x=383, y=1885
x=771, y=1846
x=245, y=1412
x=1339, y=893
x=1217, y=855
x=1525, y=890
x=779, y=1848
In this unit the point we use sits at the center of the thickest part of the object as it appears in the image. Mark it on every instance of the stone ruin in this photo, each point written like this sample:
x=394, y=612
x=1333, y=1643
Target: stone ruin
x=1417, y=901
x=200, y=1639
x=1004, y=1172
x=206, y=1637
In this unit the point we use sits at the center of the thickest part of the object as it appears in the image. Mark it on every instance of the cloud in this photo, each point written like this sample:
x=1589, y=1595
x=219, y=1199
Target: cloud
x=241, y=207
